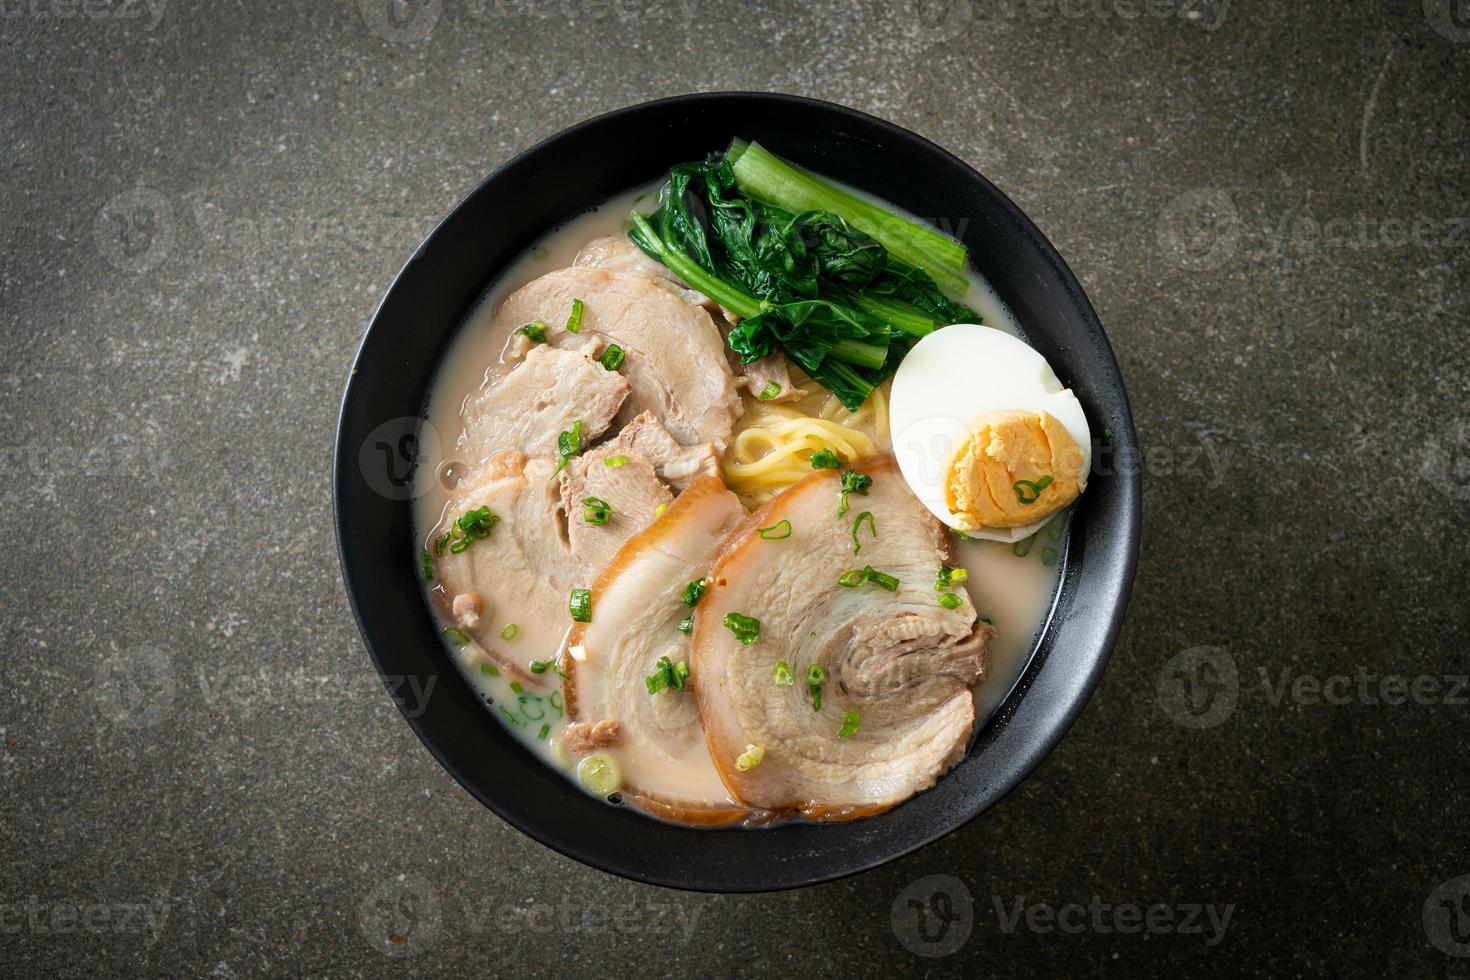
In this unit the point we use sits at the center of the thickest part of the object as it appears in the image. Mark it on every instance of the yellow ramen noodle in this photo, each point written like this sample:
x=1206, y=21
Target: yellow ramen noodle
x=774, y=442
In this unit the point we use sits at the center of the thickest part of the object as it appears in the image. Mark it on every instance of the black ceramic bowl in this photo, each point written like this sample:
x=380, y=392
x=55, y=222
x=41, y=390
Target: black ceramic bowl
x=552, y=183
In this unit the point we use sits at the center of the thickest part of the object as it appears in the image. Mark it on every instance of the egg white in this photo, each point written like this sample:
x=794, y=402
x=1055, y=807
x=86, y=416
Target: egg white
x=951, y=378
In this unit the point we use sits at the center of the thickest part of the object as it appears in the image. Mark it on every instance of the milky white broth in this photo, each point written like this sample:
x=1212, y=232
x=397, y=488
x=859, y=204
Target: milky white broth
x=1015, y=592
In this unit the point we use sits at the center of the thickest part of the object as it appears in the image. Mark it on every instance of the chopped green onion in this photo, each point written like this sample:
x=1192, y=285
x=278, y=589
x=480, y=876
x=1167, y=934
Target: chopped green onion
x=771, y=390
x=428, y=564
x=986, y=620
x=509, y=631
x=1027, y=492
x=574, y=321
x=826, y=459
x=456, y=635
x=881, y=579
x=747, y=629
x=750, y=758
x=782, y=674
x=852, y=482
x=857, y=523
x=615, y=461
x=516, y=686
x=568, y=444
x=693, y=592
x=474, y=525
x=659, y=510
x=1049, y=555
x=1022, y=548
x=686, y=625
x=815, y=675
x=950, y=601
x=599, y=775
x=950, y=576
x=596, y=511
x=961, y=535
x=534, y=331
x=542, y=666
x=851, y=579
x=545, y=730
x=440, y=544
x=667, y=676
x=580, y=605
x=490, y=669
x=612, y=357
x=850, y=722
x=779, y=531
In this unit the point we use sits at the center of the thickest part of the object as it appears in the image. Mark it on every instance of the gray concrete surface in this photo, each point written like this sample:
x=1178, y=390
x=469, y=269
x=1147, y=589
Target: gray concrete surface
x=200, y=203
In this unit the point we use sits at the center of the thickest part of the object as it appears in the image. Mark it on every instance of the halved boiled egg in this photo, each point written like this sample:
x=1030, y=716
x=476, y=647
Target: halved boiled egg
x=985, y=434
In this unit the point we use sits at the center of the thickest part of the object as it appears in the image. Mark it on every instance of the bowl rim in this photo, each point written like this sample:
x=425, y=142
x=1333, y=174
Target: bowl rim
x=1036, y=749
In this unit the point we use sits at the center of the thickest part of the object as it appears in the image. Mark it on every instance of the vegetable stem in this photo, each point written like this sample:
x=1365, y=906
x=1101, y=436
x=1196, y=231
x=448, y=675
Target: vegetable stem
x=690, y=271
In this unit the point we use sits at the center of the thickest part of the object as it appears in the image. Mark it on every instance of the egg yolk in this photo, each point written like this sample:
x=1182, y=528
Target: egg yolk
x=1014, y=468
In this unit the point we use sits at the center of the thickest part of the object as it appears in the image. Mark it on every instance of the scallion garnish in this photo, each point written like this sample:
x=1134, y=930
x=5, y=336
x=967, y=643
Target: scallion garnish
x=472, y=526
x=686, y=625
x=574, y=321
x=534, y=331
x=667, y=676
x=693, y=592
x=986, y=620
x=456, y=635
x=509, y=631
x=427, y=561
x=852, y=482
x=857, y=576
x=612, y=357
x=659, y=510
x=545, y=730
x=568, y=444
x=851, y=579
x=950, y=601
x=1027, y=492
x=771, y=390
x=815, y=675
x=1022, y=548
x=857, y=523
x=747, y=629
x=615, y=461
x=779, y=531
x=949, y=576
x=596, y=511
x=490, y=670
x=750, y=758
x=579, y=604
x=1049, y=555
x=850, y=722
x=826, y=459
x=440, y=544
x=542, y=666
x=782, y=674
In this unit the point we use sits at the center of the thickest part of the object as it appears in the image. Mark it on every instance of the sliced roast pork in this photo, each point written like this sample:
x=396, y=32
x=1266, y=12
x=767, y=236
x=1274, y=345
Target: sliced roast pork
x=899, y=661
x=656, y=738
x=534, y=544
x=677, y=465
x=543, y=395
x=673, y=354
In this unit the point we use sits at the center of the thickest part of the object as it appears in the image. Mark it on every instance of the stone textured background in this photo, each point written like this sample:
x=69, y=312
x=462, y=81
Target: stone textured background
x=200, y=204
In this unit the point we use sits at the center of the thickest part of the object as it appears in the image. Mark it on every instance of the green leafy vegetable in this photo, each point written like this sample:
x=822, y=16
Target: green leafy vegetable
x=804, y=280
x=826, y=459
x=747, y=629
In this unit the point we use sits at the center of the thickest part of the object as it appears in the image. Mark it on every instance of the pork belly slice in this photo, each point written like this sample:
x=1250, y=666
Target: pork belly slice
x=674, y=356
x=659, y=744
x=616, y=253
x=542, y=396
x=900, y=659
x=678, y=466
x=540, y=548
